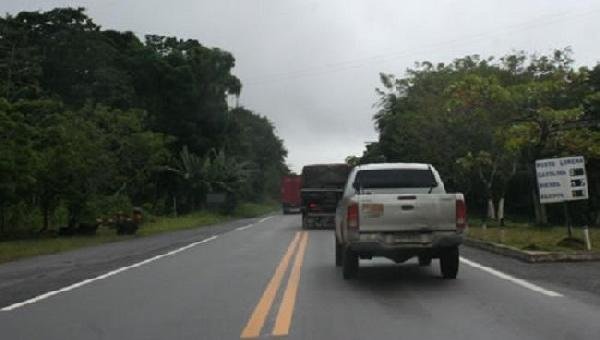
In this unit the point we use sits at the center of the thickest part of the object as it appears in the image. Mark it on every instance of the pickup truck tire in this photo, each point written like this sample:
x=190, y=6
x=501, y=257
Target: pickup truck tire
x=424, y=261
x=349, y=264
x=338, y=253
x=449, y=263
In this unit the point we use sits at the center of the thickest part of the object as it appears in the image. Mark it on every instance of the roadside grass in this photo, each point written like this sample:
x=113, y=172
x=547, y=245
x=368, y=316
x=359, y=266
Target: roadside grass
x=157, y=225
x=247, y=210
x=17, y=249
x=529, y=237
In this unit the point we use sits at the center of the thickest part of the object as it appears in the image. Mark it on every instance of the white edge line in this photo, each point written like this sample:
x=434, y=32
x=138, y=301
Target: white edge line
x=264, y=219
x=510, y=278
x=103, y=276
x=252, y=224
x=245, y=227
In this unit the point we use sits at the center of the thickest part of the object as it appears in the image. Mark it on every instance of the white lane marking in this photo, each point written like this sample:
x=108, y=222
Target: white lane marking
x=103, y=276
x=245, y=227
x=264, y=219
x=252, y=225
x=510, y=278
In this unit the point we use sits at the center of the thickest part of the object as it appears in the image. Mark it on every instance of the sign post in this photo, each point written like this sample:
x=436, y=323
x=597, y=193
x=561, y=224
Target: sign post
x=562, y=180
x=567, y=219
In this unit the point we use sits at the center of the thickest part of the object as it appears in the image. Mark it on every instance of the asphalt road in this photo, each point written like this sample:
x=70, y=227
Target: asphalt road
x=268, y=278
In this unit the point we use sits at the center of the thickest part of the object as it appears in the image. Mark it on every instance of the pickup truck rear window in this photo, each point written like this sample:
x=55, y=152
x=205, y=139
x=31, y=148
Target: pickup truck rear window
x=395, y=178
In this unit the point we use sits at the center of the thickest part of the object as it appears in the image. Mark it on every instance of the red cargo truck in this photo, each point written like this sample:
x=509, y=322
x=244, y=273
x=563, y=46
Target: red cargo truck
x=290, y=194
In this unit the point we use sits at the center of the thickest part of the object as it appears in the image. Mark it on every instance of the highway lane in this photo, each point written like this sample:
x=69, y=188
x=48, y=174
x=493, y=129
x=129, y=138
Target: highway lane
x=204, y=292
x=412, y=302
x=270, y=277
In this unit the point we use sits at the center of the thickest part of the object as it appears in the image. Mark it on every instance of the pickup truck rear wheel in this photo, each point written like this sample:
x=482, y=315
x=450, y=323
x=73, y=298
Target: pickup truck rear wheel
x=449, y=263
x=349, y=264
x=338, y=253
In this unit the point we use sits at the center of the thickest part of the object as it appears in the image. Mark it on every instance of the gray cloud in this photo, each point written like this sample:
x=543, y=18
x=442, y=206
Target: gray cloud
x=312, y=66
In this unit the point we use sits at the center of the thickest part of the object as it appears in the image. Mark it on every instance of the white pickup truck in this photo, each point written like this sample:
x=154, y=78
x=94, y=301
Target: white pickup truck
x=398, y=211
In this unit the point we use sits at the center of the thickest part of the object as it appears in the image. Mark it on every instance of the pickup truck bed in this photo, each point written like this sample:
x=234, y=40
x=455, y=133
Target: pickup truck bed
x=420, y=212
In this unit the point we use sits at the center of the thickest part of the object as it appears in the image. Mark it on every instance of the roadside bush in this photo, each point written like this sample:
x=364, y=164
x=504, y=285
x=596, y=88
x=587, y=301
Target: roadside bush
x=20, y=220
x=106, y=207
x=255, y=209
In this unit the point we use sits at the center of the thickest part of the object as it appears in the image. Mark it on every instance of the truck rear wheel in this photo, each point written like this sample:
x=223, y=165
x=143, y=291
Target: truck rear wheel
x=304, y=222
x=424, y=261
x=338, y=253
x=349, y=264
x=449, y=263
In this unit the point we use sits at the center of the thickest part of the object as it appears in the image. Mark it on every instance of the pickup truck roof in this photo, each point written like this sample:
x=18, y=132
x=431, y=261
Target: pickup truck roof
x=382, y=166
x=438, y=189
x=325, y=164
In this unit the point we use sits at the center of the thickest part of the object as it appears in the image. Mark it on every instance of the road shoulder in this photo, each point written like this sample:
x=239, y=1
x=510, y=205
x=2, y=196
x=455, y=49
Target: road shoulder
x=577, y=279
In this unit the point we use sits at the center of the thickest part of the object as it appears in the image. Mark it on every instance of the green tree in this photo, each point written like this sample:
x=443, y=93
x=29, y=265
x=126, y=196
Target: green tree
x=480, y=121
x=91, y=118
x=251, y=138
x=17, y=164
x=74, y=164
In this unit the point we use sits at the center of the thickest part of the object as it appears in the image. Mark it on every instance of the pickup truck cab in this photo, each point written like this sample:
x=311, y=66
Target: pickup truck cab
x=398, y=211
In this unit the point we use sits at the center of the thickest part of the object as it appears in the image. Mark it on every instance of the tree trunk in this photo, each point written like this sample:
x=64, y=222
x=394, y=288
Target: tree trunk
x=46, y=213
x=541, y=217
x=156, y=194
x=596, y=221
x=538, y=208
x=491, y=214
x=490, y=201
x=501, y=211
x=74, y=213
x=2, y=219
x=175, y=205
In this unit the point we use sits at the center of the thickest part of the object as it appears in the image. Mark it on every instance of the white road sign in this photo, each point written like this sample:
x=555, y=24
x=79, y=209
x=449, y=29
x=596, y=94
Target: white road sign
x=561, y=179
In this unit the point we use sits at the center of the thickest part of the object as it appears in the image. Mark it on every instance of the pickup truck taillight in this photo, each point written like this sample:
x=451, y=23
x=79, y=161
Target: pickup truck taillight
x=353, y=216
x=461, y=214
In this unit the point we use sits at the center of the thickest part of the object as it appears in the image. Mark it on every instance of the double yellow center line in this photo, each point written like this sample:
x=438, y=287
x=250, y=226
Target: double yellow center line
x=286, y=308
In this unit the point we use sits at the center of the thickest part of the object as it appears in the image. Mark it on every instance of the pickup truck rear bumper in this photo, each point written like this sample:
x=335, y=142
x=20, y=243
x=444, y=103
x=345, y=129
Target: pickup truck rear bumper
x=384, y=243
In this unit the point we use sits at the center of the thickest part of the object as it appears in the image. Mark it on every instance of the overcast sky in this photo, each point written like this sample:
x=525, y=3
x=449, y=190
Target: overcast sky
x=311, y=66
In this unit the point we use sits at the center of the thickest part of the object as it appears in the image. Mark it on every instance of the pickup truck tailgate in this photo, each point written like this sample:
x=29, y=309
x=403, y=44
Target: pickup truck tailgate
x=420, y=212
